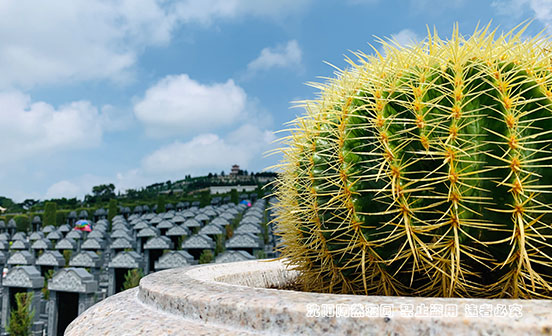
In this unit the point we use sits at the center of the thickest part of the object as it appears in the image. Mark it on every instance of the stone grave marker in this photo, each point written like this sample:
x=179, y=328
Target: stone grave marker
x=244, y=241
x=197, y=243
x=72, y=291
x=233, y=256
x=119, y=266
x=153, y=249
x=21, y=279
x=174, y=259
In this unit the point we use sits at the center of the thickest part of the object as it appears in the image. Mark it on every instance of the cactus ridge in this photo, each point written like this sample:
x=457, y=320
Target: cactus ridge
x=425, y=171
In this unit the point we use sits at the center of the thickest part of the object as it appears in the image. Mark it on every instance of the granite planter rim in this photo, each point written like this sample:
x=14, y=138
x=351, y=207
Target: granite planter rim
x=232, y=299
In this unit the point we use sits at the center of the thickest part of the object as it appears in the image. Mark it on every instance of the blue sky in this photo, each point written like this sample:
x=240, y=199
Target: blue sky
x=133, y=92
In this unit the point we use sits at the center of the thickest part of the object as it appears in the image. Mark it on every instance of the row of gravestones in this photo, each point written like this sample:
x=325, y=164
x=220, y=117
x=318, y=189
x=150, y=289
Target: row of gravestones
x=107, y=275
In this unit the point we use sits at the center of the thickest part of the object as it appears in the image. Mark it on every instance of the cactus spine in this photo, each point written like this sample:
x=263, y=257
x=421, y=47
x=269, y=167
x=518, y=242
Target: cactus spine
x=425, y=172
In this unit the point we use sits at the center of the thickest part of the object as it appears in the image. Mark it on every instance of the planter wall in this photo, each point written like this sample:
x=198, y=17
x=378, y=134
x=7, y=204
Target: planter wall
x=233, y=299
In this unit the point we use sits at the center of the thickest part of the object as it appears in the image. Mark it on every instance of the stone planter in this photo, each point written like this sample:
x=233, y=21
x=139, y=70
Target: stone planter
x=233, y=299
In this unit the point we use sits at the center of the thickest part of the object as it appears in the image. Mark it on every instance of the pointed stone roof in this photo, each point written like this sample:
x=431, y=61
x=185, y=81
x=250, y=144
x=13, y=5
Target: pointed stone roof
x=148, y=232
x=51, y=258
x=64, y=228
x=212, y=229
x=122, y=243
x=74, y=234
x=86, y=259
x=173, y=259
x=243, y=240
x=73, y=279
x=36, y=236
x=93, y=244
x=20, y=245
x=165, y=224
x=127, y=259
x=48, y=229
x=158, y=243
x=42, y=244
x=21, y=258
x=19, y=236
x=192, y=223
x=66, y=244
x=178, y=230
x=249, y=228
x=23, y=276
x=54, y=235
x=233, y=256
x=198, y=241
x=96, y=234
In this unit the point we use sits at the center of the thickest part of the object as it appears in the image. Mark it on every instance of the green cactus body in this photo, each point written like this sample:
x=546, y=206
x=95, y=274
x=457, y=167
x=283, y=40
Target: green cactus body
x=425, y=172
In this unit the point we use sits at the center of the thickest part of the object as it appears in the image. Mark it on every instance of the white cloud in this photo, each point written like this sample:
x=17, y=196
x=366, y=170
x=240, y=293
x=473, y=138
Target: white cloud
x=405, y=37
x=282, y=56
x=206, y=11
x=77, y=187
x=209, y=152
x=62, y=189
x=30, y=128
x=541, y=9
x=181, y=105
x=76, y=40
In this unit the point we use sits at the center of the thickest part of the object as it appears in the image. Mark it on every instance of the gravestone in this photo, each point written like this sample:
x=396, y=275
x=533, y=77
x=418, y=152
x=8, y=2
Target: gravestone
x=48, y=229
x=249, y=228
x=40, y=245
x=75, y=234
x=50, y=260
x=96, y=234
x=19, y=236
x=153, y=249
x=21, y=279
x=164, y=226
x=177, y=232
x=94, y=244
x=12, y=226
x=54, y=236
x=36, y=236
x=121, y=244
x=72, y=291
x=174, y=259
x=22, y=258
x=20, y=245
x=212, y=230
x=2, y=226
x=140, y=225
x=197, y=243
x=64, y=228
x=144, y=234
x=233, y=256
x=4, y=236
x=119, y=266
x=202, y=218
x=244, y=241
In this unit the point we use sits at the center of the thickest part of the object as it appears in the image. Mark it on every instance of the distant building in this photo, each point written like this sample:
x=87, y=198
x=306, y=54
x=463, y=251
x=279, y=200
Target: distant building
x=225, y=189
x=2, y=209
x=235, y=170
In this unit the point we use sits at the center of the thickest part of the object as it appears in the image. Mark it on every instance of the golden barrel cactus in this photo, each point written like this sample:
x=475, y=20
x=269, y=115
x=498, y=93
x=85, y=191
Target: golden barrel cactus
x=425, y=170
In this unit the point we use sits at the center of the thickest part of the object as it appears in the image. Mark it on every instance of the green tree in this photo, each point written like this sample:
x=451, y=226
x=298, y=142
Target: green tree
x=206, y=257
x=21, y=318
x=219, y=248
x=49, y=217
x=160, y=204
x=234, y=198
x=132, y=278
x=45, y=291
x=67, y=256
x=22, y=223
x=112, y=210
